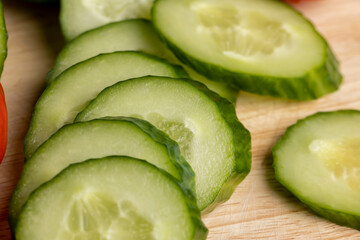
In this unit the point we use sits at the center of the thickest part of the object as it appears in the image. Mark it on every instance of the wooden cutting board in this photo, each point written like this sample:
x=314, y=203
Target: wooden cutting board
x=260, y=208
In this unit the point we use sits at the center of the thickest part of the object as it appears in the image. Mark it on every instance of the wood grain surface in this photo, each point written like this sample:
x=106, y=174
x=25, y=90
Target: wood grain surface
x=260, y=208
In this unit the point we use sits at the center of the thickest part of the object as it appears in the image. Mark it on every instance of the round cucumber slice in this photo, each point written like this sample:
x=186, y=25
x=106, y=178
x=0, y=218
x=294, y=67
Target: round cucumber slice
x=212, y=140
x=318, y=161
x=3, y=39
x=262, y=46
x=136, y=35
x=98, y=138
x=78, y=16
x=111, y=198
x=74, y=88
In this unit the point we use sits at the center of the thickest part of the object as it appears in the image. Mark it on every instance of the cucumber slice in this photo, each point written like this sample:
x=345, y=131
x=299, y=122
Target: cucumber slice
x=98, y=138
x=72, y=90
x=262, y=46
x=318, y=161
x=78, y=16
x=212, y=140
x=3, y=39
x=111, y=198
x=135, y=34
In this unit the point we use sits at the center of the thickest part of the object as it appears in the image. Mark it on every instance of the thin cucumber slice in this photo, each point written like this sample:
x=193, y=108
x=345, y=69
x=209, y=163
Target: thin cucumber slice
x=111, y=198
x=78, y=16
x=318, y=161
x=136, y=35
x=74, y=88
x=98, y=138
x=262, y=46
x=3, y=39
x=212, y=140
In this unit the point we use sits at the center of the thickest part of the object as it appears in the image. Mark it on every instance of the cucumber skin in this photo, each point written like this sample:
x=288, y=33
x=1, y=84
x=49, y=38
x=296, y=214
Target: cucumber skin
x=200, y=230
x=178, y=70
x=241, y=140
x=341, y=218
x=242, y=143
x=317, y=82
x=3, y=43
x=225, y=90
x=185, y=171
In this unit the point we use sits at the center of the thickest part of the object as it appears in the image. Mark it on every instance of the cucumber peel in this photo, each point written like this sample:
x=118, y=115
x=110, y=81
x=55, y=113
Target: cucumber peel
x=97, y=138
x=117, y=197
x=211, y=138
x=127, y=35
x=3, y=38
x=261, y=46
x=74, y=88
x=318, y=161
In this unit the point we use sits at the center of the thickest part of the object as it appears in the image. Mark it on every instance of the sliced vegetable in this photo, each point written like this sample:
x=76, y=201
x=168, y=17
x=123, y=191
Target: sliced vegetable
x=318, y=161
x=78, y=16
x=73, y=89
x=135, y=34
x=111, y=198
x=3, y=124
x=261, y=46
x=3, y=38
x=98, y=138
x=212, y=140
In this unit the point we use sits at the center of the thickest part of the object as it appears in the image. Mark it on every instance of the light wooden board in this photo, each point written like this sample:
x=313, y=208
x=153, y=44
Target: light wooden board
x=260, y=208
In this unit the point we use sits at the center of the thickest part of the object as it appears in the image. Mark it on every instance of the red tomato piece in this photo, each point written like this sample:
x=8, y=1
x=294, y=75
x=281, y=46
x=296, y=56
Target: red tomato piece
x=3, y=124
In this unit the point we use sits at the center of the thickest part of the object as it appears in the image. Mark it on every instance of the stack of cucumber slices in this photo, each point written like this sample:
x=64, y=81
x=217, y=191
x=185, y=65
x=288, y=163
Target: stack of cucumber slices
x=124, y=144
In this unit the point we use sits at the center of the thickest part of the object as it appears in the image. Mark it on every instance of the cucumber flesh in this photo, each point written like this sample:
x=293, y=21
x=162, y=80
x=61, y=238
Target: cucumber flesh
x=134, y=34
x=212, y=140
x=78, y=16
x=261, y=46
x=318, y=161
x=74, y=88
x=111, y=198
x=98, y=138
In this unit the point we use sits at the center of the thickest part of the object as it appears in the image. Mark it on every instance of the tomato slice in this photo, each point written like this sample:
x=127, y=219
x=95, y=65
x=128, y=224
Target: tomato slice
x=3, y=124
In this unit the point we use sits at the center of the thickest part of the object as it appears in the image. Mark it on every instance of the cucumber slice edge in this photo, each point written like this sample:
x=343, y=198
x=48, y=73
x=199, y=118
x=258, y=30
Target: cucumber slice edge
x=341, y=217
x=200, y=230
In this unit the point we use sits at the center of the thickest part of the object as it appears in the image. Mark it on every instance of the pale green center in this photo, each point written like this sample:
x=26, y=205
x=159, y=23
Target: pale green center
x=120, y=9
x=176, y=131
x=342, y=158
x=95, y=216
x=238, y=33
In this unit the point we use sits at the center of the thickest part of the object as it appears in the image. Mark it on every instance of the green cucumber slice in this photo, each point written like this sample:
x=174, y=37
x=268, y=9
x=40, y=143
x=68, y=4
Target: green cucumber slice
x=98, y=138
x=136, y=35
x=74, y=88
x=78, y=16
x=262, y=46
x=3, y=38
x=111, y=198
x=318, y=161
x=212, y=140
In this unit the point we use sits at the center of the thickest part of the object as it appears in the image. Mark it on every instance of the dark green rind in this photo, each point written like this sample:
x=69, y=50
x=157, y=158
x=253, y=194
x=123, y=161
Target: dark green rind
x=184, y=169
x=3, y=38
x=200, y=230
x=177, y=70
x=342, y=218
x=223, y=89
x=242, y=143
x=313, y=84
x=241, y=140
x=97, y=32
x=186, y=173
